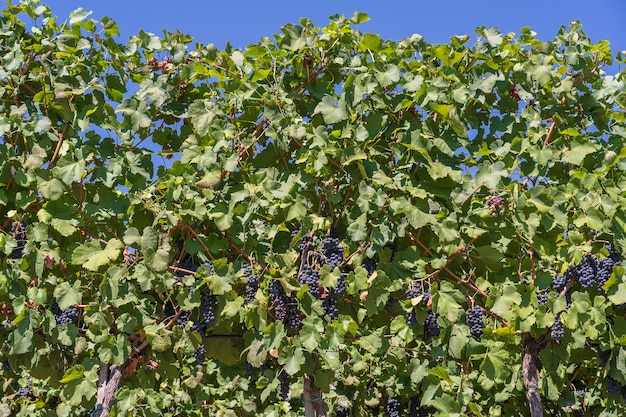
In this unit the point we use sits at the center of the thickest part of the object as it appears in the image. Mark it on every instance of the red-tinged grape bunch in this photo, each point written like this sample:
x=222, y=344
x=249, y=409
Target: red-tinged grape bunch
x=392, y=408
x=475, y=321
x=494, y=202
x=62, y=318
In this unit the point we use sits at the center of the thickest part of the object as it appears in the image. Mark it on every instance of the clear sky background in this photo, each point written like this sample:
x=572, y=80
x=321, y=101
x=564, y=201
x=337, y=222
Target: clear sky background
x=242, y=22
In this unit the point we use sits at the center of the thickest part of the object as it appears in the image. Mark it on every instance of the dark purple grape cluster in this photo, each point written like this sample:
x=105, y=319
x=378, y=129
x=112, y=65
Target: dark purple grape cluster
x=558, y=328
x=26, y=393
x=248, y=368
x=431, y=327
x=285, y=308
x=183, y=318
x=613, y=387
x=411, y=317
x=332, y=252
x=392, y=408
x=542, y=297
x=187, y=265
x=208, y=303
x=330, y=308
x=311, y=277
x=604, y=356
x=586, y=272
x=370, y=266
x=560, y=281
x=252, y=283
x=614, y=255
x=494, y=202
x=604, y=270
x=591, y=272
x=340, y=287
x=18, y=231
x=305, y=243
x=64, y=317
x=416, y=290
x=200, y=354
x=285, y=385
x=341, y=411
x=475, y=321
x=198, y=327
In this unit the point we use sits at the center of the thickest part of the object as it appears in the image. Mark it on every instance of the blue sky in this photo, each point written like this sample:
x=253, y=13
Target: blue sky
x=242, y=22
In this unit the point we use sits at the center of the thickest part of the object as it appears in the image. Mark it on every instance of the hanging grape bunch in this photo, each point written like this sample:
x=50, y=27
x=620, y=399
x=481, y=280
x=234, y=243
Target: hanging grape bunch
x=285, y=307
x=494, y=203
x=586, y=272
x=62, y=318
x=392, y=408
x=415, y=290
x=252, y=283
x=475, y=321
x=312, y=258
x=431, y=327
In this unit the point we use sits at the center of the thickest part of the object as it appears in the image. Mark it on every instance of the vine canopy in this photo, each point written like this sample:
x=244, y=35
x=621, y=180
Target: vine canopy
x=325, y=221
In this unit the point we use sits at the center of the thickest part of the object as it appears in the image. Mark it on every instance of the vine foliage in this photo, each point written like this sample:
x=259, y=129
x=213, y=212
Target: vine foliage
x=325, y=222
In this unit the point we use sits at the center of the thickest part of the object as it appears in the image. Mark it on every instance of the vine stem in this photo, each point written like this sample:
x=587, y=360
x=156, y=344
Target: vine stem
x=111, y=376
x=314, y=405
x=550, y=132
x=531, y=348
